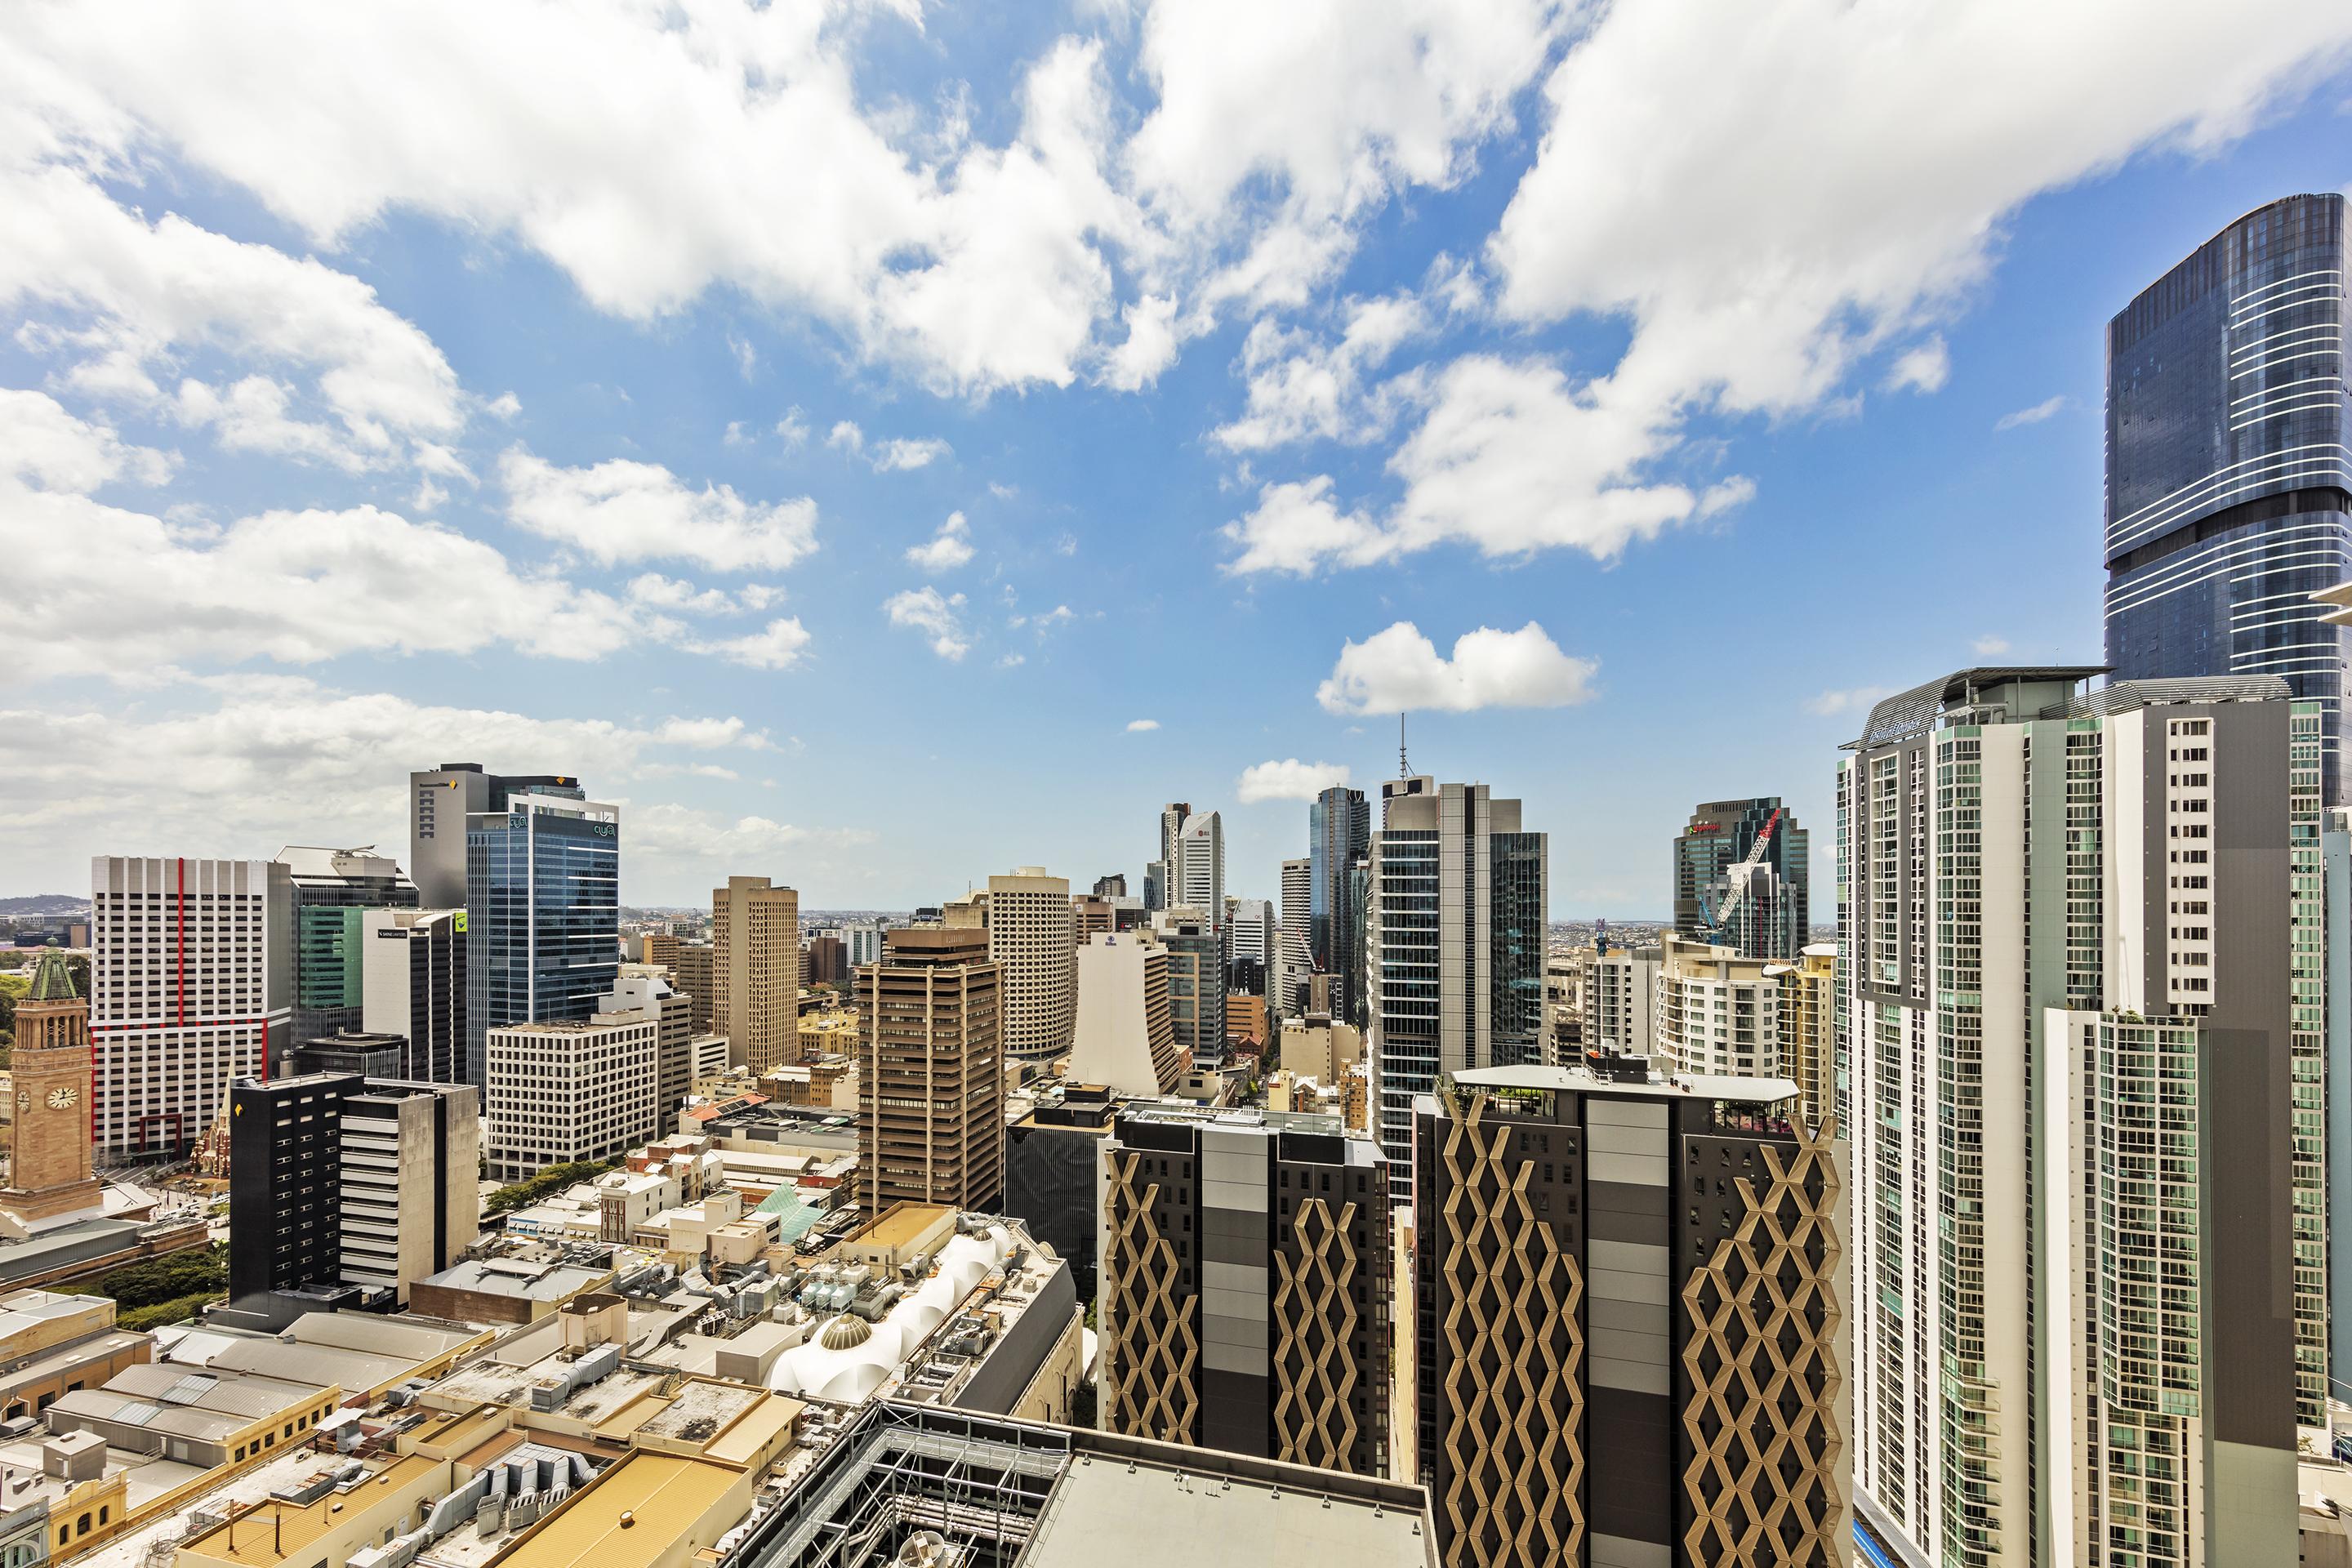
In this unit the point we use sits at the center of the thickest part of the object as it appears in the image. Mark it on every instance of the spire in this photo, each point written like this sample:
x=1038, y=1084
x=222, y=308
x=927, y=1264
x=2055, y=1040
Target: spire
x=1404, y=768
x=52, y=981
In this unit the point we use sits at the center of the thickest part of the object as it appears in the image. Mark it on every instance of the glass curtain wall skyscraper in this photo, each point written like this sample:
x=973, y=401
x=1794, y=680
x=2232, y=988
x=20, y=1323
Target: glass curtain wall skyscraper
x=1774, y=918
x=1339, y=835
x=2228, y=473
x=543, y=901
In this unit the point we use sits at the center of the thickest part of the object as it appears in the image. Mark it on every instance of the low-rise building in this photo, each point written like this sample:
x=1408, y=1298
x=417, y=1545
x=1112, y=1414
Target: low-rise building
x=521, y=1280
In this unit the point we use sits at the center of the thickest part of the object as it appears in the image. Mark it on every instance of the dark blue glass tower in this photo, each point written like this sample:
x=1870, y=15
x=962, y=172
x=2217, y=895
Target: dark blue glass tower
x=1338, y=836
x=542, y=910
x=2228, y=474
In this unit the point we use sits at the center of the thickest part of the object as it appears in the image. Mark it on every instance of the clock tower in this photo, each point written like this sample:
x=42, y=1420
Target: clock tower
x=48, y=1128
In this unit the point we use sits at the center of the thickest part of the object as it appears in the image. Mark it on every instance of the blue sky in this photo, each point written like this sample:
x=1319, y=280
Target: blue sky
x=595, y=394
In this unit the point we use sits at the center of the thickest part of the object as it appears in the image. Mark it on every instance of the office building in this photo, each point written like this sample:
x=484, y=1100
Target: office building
x=2229, y=475
x=333, y=891
x=1338, y=836
x=1250, y=945
x=824, y=960
x=441, y=800
x=1772, y=916
x=190, y=983
x=1456, y=947
x=1197, y=878
x=1196, y=981
x=930, y=1115
x=1294, y=954
x=285, y=1194
x=1809, y=1028
x=2021, y=859
x=1030, y=937
x=1630, y=1319
x=409, y=1179
x=755, y=941
x=641, y=992
x=1162, y=877
x=1621, y=1000
x=1089, y=915
x=49, y=1132
x=1243, y=1302
x=573, y=1090
x=413, y=969
x=1718, y=1012
x=542, y=905
x=1111, y=887
x=693, y=970
x=1126, y=1036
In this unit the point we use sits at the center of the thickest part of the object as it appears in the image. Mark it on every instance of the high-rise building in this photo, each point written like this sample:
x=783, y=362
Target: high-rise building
x=2031, y=872
x=693, y=970
x=1252, y=924
x=1155, y=886
x=1295, y=956
x=1198, y=876
x=1111, y=887
x=333, y=888
x=439, y=803
x=1339, y=835
x=1126, y=1036
x=1245, y=1285
x=413, y=966
x=191, y=982
x=1089, y=915
x=2229, y=472
x=1772, y=918
x=1196, y=981
x=285, y=1192
x=47, y=1135
x=1718, y=1012
x=1629, y=1313
x=755, y=940
x=1030, y=937
x=1808, y=1012
x=931, y=1112
x=824, y=960
x=409, y=1182
x=1622, y=1011
x=640, y=992
x=571, y=1090
x=542, y=906
x=1455, y=947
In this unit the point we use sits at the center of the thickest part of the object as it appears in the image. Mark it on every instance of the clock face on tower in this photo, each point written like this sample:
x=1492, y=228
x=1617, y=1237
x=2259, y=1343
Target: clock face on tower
x=64, y=1099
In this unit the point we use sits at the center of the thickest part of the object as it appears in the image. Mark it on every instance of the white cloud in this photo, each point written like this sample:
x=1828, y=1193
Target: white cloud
x=42, y=443
x=737, y=436
x=1990, y=646
x=1002, y=491
x=622, y=510
x=847, y=436
x=776, y=645
x=1850, y=700
x=1298, y=528
x=1151, y=347
x=746, y=357
x=1139, y=726
x=792, y=429
x=1923, y=368
x=950, y=548
x=1287, y=780
x=2033, y=415
x=894, y=455
x=925, y=610
x=1300, y=389
x=1011, y=661
x=1399, y=670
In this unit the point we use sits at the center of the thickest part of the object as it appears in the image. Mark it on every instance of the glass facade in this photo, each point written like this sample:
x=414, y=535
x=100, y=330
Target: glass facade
x=542, y=897
x=2228, y=473
x=1406, y=985
x=1515, y=932
x=328, y=901
x=1339, y=835
x=1774, y=919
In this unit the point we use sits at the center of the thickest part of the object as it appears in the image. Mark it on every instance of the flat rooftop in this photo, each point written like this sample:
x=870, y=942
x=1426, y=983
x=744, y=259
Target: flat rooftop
x=1697, y=1086
x=279, y=1531
x=1143, y=1515
x=633, y=1516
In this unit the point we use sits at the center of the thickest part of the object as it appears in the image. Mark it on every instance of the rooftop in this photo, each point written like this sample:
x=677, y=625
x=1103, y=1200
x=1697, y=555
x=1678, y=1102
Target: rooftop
x=633, y=1516
x=1698, y=1086
x=280, y=1529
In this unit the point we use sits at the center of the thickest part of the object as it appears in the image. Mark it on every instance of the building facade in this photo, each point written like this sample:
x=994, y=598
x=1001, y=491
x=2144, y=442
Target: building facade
x=413, y=965
x=440, y=802
x=1630, y=1322
x=408, y=1177
x=1455, y=949
x=2228, y=473
x=1622, y=1008
x=1294, y=951
x=931, y=1113
x=191, y=985
x=285, y=1192
x=48, y=1134
x=1773, y=914
x=1197, y=878
x=1809, y=1028
x=542, y=906
x=694, y=972
x=2018, y=855
x=1338, y=836
x=1717, y=1012
x=1032, y=937
x=1196, y=981
x=1245, y=1286
x=333, y=891
x=755, y=940
x=577, y=1090
x=1126, y=1038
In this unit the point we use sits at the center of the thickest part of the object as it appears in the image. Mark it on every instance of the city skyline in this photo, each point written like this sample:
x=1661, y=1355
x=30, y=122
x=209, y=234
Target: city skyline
x=663, y=524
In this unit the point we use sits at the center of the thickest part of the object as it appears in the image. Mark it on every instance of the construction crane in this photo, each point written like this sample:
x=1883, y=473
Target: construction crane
x=1720, y=918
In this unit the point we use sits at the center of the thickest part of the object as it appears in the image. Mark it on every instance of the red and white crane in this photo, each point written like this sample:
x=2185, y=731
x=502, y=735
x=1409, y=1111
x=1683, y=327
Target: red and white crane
x=1737, y=875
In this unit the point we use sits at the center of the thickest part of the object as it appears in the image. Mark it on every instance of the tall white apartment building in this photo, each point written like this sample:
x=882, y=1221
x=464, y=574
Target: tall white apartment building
x=191, y=979
x=571, y=1090
x=2067, y=1030
x=1198, y=876
x=1031, y=935
x=1622, y=1001
x=1718, y=1012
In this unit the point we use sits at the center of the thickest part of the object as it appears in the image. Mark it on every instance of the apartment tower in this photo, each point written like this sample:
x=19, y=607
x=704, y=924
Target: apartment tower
x=930, y=1112
x=755, y=960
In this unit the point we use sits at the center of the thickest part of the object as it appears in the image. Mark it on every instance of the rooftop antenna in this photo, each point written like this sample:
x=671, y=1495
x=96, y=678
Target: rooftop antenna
x=1404, y=768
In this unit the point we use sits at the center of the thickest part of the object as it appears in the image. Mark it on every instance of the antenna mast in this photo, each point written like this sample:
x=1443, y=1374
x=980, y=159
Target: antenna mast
x=1404, y=768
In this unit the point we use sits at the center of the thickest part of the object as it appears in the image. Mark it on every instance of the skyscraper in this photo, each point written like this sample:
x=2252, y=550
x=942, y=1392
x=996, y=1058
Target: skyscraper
x=333, y=888
x=2228, y=473
x=755, y=940
x=1196, y=981
x=1773, y=916
x=1031, y=935
x=439, y=801
x=1162, y=882
x=1126, y=1038
x=1198, y=876
x=191, y=979
x=414, y=965
x=543, y=900
x=1339, y=834
x=1295, y=959
x=1455, y=947
x=930, y=1086
x=2066, y=911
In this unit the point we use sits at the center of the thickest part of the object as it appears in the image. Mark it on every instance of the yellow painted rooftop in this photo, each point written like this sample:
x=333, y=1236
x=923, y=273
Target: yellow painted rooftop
x=665, y=1496
x=901, y=1226
x=276, y=1531
x=744, y=1439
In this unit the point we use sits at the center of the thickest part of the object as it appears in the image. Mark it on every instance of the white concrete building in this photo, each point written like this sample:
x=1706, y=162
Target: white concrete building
x=413, y=985
x=1197, y=878
x=1031, y=935
x=410, y=1178
x=1126, y=1038
x=571, y=1090
x=1621, y=1000
x=191, y=979
x=1718, y=1012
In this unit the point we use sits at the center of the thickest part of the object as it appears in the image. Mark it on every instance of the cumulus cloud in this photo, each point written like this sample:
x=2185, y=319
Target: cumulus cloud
x=1849, y=699
x=1923, y=368
x=1302, y=389
x=43, y=444
x=2033, y=415
x=1289, y=779
x=948, y=549
x=926, y=611
x=1400, y=670
x=1141, y=726
x=897, y=454
x=623, y=510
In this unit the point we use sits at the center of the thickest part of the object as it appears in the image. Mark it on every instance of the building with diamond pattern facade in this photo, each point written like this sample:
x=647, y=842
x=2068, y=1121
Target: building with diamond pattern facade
x=1630, y=1322
x=1245, y=1288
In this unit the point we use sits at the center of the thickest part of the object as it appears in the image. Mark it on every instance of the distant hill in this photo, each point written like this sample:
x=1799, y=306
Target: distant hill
x=45, y=904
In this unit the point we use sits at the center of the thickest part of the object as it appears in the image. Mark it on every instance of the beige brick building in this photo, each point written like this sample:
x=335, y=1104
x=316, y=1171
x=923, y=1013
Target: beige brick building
x=1032, y=936
x=755, y=931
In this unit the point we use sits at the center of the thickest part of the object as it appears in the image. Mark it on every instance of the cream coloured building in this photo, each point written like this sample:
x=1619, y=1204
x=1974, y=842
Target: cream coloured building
x=1718, y=1012
x=1031, y=937
x=755, y=938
